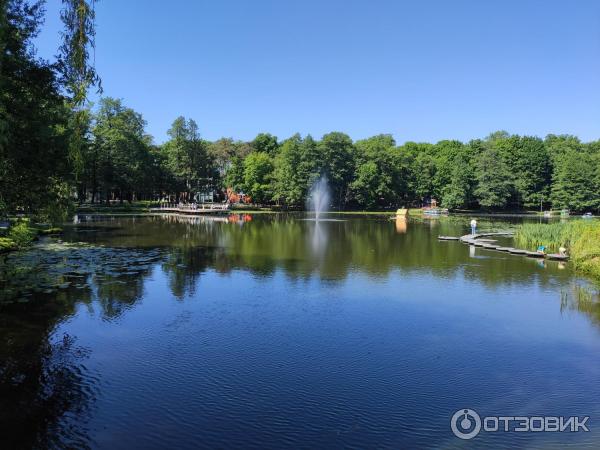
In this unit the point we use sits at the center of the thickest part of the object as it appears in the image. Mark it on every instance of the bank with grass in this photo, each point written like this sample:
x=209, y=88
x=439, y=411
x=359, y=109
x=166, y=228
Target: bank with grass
x=21, y=233
x=581, y=238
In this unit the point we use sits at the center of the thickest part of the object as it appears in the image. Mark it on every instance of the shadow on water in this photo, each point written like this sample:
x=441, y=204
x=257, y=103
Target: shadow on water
x=45, y=389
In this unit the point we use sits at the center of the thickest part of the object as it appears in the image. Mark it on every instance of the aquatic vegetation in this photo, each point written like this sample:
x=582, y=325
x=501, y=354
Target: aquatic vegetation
x=51, y=267
x=7, y=244
x=580, y=238
x=551, y=235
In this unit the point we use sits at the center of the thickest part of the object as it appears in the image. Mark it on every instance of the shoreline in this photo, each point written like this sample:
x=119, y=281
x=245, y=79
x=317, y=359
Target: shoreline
x=140, y=210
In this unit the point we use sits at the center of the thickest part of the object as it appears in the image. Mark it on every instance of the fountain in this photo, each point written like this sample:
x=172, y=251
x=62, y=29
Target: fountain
x=318, y=197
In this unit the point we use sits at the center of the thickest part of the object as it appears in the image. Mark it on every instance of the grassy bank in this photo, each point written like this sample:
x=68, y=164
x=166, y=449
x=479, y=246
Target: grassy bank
x=21, y=233
x=136, y=207
x=580, y=237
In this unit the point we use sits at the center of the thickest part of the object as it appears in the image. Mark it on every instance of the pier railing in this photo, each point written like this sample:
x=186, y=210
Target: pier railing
x=191, y=207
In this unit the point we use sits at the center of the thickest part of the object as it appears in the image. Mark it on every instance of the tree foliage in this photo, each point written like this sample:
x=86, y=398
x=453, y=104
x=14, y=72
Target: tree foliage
x=54, y=147
x=35, y=169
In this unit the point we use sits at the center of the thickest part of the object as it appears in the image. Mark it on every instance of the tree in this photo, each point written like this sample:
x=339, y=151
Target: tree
x=188, y=157
x=532, y=169
x=336, y=153
x=558, y=145
x=258, y=169
x=444, y=154
x=77, y=74
x=35, y=171
x=376, y=181
x=574, y=182
x=288, y=188
x=122, y=149
x=457, y=193
x=494, y=179
x=295, y=169
x=234, y=178
x=265, y=142
x=422, y=170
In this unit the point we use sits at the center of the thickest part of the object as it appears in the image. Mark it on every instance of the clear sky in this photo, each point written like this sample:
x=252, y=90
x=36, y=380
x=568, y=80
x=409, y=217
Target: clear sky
x=422, y=70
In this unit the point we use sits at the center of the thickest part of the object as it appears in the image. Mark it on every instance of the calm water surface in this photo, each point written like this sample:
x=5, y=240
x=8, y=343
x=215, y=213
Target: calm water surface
x=277, y=332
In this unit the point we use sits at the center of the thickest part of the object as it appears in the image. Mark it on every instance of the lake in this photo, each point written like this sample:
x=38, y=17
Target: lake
x=272, y=331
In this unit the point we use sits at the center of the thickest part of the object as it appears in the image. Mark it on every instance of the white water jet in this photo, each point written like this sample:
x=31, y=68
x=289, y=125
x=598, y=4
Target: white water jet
x=319, y=197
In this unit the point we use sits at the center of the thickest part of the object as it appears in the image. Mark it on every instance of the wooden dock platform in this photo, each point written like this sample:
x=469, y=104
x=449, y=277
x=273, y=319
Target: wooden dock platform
x=557, y=257
x=201, y=209
x=482, y=240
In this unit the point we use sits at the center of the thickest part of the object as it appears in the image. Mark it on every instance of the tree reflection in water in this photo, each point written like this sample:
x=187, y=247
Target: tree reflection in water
x=45, y=389
x=46, y=392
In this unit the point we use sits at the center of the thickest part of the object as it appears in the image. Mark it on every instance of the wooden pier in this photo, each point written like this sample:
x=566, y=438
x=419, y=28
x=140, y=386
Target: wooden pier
x=482, y=240
x=193, y=209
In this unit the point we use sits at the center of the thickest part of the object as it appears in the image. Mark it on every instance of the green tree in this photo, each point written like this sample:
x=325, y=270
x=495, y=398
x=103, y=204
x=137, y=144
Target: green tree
x=265, y=142
x=422, y=170
x=376, y=180
x=258, y=171
x=457, y=193
x=122, y=149
x=77, y=74
x=444, y=153
x=336, y=153
x=558, y=145
x=188, y=157
x=532, y=169
x=574, y=182
x=494, y=179
x=234, y=177
x=296, y=167
x=35, y=170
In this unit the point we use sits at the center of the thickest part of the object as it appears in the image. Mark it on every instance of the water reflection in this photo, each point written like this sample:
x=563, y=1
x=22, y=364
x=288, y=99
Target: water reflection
x=107, y=265
x=583, y=298
x=109, y=259
x=318, y=239
x=401, y=225
x=46, y=390
x=332, y=249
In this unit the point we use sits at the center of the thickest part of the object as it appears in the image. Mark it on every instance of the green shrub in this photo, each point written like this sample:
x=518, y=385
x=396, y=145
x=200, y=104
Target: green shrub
x=21, y=234
x=7, y=244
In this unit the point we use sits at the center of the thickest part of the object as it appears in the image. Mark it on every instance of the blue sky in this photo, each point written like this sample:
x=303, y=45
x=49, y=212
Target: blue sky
x=422, y=70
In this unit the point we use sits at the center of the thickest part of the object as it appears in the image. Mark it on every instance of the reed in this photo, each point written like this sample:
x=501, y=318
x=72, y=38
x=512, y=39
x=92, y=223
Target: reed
x=581, y=238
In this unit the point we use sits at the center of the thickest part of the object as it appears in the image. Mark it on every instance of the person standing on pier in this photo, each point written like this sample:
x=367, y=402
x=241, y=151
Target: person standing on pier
x=473, y=226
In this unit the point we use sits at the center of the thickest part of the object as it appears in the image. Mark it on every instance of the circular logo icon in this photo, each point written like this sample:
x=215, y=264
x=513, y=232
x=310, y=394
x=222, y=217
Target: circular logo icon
x=465, y=424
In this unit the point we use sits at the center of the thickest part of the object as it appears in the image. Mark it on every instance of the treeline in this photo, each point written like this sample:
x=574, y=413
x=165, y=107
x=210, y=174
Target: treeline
x=502, y=171
x=55, y=149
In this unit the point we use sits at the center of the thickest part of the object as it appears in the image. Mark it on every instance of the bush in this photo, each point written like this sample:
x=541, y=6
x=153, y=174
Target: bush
x=21, y=234
x=7, y=244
